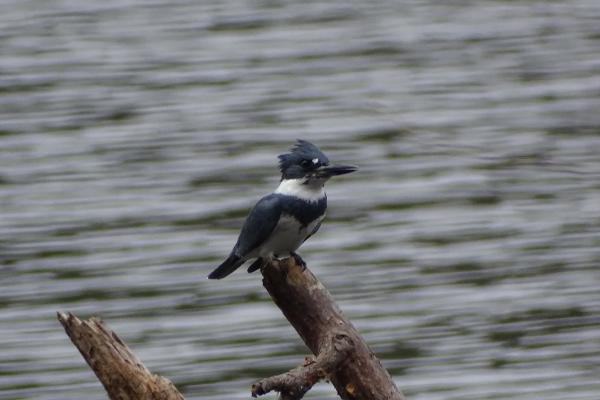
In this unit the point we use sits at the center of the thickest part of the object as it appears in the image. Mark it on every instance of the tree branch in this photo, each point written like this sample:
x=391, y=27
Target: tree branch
x=294, y=384
x=342, y=354
x=120, y=371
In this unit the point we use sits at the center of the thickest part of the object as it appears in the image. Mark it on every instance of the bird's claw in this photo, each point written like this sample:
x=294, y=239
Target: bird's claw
x=298, y=260
x=256, y=265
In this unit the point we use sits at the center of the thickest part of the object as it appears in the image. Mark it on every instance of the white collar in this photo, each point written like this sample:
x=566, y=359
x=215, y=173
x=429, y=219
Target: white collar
x=313, y=191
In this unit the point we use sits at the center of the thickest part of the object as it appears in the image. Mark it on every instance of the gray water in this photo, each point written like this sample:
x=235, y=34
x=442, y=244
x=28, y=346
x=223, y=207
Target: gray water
x=135, y=135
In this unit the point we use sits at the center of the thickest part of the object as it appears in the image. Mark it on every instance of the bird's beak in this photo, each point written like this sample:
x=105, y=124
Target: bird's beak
x=327, y=171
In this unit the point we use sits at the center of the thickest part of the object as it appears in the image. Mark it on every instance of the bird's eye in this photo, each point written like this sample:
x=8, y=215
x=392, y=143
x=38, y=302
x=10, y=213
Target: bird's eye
x=305, y=163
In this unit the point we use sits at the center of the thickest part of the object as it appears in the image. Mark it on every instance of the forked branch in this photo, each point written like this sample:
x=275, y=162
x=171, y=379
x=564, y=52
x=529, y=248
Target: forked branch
x=342, y=355
x=294, y=384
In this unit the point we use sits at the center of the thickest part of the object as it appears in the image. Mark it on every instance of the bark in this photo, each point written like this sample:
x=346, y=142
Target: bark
x=342, y=355
x=120, y=371
x=294, y=384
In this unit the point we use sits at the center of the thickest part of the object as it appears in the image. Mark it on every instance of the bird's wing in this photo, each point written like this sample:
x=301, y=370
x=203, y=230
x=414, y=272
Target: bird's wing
x=259, y=225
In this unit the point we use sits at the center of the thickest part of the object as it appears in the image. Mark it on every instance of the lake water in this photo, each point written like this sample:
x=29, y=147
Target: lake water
x=135, y=135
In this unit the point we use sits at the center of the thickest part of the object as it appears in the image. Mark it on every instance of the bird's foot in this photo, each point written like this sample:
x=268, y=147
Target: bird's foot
x=256, y=265
x=298, y=260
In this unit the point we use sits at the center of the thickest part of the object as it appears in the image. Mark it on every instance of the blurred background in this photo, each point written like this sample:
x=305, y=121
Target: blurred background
x=135, y=135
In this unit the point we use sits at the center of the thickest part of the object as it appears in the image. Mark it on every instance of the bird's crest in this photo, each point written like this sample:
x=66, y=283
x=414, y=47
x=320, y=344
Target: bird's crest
x=302, y=150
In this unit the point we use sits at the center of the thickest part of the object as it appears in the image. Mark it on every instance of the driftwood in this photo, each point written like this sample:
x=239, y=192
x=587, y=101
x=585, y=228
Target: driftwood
x=120, y=371
x=341, y=355
x=295, y=383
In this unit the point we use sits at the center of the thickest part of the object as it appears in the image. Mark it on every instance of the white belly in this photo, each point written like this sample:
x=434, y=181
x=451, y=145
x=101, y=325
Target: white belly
x=288, y=235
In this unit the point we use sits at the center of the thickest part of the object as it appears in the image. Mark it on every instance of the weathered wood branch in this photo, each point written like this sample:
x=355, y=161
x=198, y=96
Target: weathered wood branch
x=294, y=384
x=120, y=371
x=342, y=355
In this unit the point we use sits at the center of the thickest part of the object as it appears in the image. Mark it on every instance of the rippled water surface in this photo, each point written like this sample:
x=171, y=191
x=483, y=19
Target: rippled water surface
x=135, y=135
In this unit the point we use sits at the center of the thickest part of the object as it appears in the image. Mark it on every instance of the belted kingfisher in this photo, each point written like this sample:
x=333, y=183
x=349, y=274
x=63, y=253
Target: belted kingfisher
x=281, y=221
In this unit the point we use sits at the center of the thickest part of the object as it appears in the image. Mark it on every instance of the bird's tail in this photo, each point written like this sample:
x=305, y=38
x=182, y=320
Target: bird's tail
x=228, y=266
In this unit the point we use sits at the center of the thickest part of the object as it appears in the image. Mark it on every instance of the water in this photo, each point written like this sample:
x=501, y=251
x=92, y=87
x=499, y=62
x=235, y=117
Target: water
x=134, y=136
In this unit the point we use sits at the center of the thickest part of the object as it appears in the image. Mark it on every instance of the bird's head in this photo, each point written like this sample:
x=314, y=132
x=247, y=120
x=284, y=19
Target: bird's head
x=306, y=162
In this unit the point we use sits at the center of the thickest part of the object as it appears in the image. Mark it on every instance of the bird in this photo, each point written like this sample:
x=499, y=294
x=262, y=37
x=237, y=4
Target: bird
x=280, y=222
